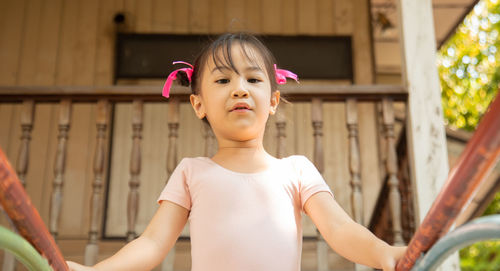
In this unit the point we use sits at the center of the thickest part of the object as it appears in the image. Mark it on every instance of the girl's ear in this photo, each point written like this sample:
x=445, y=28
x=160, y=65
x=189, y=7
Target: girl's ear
x=197, y=105
x=275, y=100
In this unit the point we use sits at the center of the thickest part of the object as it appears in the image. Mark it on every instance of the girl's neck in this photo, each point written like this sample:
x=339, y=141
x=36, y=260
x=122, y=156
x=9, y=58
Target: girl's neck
x=245, y=152
x=248, y=158
x=249, y=148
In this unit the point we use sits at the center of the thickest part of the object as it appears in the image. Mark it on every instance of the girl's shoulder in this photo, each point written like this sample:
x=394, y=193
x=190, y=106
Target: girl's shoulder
x=188, y=162
x=297, y=160
x=299, y=163
x=190, y=166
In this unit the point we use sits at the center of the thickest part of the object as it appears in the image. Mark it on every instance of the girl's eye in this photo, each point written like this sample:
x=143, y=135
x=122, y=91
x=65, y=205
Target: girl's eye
x=222, y=81
x=253, y=80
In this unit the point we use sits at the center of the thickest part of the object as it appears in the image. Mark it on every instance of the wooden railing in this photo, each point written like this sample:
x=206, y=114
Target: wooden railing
x=351, y=95
x=381, y=223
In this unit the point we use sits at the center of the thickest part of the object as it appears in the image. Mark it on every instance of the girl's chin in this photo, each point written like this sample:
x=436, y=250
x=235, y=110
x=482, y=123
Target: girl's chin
x=241, y=135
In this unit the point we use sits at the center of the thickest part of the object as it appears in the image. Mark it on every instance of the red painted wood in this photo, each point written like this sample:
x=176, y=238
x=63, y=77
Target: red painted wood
x=28, y=222
x=474, y=165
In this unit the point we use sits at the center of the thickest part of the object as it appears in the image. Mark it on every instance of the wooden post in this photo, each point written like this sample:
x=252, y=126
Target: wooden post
x=317, y=123
x=92, y=248
x=425, y=130
x=135, y=168
x=59, y=165
x=392, y=171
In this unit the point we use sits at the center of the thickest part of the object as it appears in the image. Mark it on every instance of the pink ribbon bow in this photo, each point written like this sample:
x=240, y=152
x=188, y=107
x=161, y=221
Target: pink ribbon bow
x=173, y=75
x=281, y=75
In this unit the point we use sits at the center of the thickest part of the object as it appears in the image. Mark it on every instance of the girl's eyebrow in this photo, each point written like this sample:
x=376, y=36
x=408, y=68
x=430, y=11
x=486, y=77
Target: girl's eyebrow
x=250, y=68
x=220, y=68
x=253, y=68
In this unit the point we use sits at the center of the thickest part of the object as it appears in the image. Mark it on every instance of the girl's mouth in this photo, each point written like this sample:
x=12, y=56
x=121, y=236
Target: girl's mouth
x=240, y=107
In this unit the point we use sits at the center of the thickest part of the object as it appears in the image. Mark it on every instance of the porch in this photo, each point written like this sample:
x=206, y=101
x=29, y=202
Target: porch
x=91, y=148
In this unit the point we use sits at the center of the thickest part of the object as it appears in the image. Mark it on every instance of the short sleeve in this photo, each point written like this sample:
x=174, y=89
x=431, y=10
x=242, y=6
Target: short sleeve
x=177, y=190
x=310, y=180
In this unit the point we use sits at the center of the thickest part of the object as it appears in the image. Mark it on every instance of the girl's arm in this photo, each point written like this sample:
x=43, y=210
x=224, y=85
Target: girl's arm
x=347, y=237
x=148, y=250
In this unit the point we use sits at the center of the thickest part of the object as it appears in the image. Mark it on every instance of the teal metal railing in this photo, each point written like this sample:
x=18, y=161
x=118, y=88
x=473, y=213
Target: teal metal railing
x=480, y=229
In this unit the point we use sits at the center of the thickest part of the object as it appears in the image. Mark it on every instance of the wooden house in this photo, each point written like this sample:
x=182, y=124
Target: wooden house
x=95, y=145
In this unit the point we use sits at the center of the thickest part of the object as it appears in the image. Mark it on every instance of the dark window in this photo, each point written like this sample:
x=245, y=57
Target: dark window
x=151, y=55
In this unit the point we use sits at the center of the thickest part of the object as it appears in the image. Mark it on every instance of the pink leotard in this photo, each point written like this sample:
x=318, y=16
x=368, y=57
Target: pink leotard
x=244, y=221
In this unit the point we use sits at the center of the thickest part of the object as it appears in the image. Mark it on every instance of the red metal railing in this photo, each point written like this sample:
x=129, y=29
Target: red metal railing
x=474, y=165
x=25, y=217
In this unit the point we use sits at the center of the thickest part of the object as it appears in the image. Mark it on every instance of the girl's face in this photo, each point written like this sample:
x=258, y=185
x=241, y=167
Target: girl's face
x=236, y=103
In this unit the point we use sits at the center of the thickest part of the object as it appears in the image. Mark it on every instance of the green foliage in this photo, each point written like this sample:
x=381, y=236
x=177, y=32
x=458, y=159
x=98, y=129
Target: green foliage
x=483, y=255
x=469, y=70
x=469, y=66
x=494, y=207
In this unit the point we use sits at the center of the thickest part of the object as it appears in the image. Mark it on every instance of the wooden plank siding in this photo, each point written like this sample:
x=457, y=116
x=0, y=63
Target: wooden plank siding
x=71, y=42
x=12, y=25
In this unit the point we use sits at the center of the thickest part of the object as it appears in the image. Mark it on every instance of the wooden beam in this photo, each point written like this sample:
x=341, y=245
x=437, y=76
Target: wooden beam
x=302, y=91
x=425, y=127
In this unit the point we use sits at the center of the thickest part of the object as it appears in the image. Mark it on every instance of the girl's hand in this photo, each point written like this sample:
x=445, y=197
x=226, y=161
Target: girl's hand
x=78, y=267
x=393, y=255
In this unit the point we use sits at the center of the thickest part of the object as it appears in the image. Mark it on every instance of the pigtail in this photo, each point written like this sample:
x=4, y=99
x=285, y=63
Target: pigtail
x=184, y=75
x=183, y=79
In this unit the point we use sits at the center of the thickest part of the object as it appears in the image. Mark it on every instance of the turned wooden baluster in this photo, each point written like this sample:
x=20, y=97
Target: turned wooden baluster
x=392, y=170
x=210, y=142
x=92, y=248
x=351, y=108
x=407, y=221
x=9, y=261
x=173, y=135
x=27, y=115
x=281, y=132
x=59, y=165
x=354, y=160
x=135, y=169
x=173, y=128
x=317, y=123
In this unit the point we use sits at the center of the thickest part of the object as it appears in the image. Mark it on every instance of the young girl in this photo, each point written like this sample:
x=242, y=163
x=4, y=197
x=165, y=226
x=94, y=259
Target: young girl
x=244, y=206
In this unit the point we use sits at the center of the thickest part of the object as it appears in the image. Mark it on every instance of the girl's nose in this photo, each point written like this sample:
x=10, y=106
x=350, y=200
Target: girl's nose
x=239, y=92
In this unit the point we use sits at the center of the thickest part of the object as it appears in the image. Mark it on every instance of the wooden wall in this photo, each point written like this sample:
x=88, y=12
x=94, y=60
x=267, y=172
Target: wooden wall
x=70, y=42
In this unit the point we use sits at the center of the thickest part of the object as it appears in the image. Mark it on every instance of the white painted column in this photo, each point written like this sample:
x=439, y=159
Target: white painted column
x=425, y=125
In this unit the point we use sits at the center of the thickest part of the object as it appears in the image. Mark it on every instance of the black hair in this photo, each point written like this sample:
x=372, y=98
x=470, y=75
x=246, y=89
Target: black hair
x=220, y=52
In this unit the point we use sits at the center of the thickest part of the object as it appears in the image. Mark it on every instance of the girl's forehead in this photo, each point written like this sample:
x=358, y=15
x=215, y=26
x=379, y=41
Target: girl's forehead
x=235, y=57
